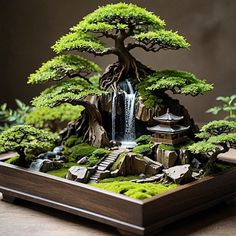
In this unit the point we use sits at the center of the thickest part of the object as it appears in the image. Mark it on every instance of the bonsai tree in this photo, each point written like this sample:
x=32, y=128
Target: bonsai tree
x=228, y=106
x=218, y=137
x=27, y=141
x=128, y=27
x=70, y=72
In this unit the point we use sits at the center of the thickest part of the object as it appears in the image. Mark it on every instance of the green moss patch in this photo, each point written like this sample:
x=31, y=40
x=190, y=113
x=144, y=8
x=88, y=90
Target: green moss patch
x=119, y=178
x=143, y=139
x=12, y=160
x=72, y=141
x=135, y=190
x=118, y=161
x=144, y=149
x=101, y=152
x=59, y=173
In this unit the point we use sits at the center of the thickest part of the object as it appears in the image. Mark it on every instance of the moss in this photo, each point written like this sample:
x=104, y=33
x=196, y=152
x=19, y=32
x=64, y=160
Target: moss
x=12, y=160
x=72, y=141
x=119, y=178
x=59, y=173
x=144, y=149
x=79, y=151
x=143, y=139
x=167, y=147
x=118, y=161
x=135, y=190
x=101, y=152
x=93, y=160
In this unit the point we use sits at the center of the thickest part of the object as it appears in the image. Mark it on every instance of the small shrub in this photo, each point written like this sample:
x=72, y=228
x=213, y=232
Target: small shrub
x=93, y=160
x=143, y=139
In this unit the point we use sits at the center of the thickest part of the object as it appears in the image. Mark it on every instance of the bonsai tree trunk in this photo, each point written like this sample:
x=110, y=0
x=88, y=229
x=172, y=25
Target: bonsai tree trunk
x=89, y=125
x=213, y=158
x=127, y=65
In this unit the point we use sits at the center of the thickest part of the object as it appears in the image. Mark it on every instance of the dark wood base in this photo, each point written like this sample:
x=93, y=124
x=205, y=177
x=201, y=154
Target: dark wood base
x=8, y=198
x=129, y=216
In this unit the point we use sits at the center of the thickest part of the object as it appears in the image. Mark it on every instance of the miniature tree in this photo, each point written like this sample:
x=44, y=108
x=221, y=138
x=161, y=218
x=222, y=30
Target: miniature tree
x=73, y=87
x=27, y=141
x=129, y=27
x=218, y=137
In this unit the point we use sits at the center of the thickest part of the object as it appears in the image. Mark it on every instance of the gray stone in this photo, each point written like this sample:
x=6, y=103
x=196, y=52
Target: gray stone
x=61, y=158
x=79, y=174
x=166, y=158
x=179, y=174
x=142, y=176
x=196, y=163
x=105, y=174
x=115, y=173
x=83, y=160
x=58, y=150
x=47, y=155
x=184, y=157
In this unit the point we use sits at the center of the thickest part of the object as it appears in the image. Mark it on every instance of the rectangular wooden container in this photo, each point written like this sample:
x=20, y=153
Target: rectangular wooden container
x=129, y=216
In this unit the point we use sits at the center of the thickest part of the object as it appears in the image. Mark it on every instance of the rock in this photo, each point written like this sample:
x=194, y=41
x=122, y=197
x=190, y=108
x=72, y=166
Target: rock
x=83, y=160
x=142, y=176
x=58, y=150
x=184, y=157
x=78, y=174
x=196, y=163
x=105, y=174
x=179, y=174
x=114, y=173
x=155, y=178
x=47, y=155
x=61, y=158
x=45, y=165
x=134, y=165
x=166, y=158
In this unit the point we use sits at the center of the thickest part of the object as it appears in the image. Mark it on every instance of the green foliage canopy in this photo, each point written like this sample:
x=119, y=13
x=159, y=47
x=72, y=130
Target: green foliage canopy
x=44, y=116
x=69, y=91
x=26, y=139
x=113, y=20
x=61, y=67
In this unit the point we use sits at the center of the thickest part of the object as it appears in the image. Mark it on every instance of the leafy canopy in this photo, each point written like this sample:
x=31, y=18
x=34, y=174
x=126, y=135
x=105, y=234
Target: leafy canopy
x=218, y=136
x=41, y=117
x=178, y=82
x=228, y=105
x=113, y=20
x=26, y=138
x=61, y=67
x=70, y=91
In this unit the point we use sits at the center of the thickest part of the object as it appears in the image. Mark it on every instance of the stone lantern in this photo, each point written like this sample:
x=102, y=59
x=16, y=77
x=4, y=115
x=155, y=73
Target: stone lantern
x=168, y=131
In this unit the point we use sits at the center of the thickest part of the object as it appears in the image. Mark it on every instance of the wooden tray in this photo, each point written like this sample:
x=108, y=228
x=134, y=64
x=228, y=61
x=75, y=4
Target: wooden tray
x=129, y=216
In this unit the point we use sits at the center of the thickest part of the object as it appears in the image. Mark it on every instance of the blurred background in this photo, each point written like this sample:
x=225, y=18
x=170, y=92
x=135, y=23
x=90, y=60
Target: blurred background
x=29, y=28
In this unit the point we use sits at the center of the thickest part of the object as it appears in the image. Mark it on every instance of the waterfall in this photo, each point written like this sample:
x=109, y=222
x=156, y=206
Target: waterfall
x=113, y=117
x=37, y=164
x=130, y=95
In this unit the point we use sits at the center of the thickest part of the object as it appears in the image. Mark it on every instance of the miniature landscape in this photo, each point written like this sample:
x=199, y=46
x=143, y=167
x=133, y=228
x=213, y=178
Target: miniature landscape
x=120, y=130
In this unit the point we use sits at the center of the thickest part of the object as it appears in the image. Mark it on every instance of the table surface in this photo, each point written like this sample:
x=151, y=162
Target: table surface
x=28, y=219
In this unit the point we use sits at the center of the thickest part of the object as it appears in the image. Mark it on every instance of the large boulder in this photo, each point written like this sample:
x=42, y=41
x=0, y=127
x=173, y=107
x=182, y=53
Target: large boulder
x=79, y=174
x=179, y=174
x=132, y=164
x=166, y=158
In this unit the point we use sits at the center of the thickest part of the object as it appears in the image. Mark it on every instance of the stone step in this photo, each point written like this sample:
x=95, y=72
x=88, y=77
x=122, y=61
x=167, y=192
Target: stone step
x=102, y=168
x=93, y=178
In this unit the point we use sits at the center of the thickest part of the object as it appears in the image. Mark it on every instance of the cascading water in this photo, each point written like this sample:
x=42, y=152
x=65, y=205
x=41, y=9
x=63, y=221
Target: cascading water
x=113, y=117
x=128, y=139
x=130, y=95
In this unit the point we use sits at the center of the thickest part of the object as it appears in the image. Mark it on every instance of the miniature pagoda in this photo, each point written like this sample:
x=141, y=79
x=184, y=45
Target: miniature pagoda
x=168, y=131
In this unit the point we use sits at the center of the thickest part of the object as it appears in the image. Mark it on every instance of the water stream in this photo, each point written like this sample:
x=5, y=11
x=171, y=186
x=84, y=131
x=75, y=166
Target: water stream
x=128, y=139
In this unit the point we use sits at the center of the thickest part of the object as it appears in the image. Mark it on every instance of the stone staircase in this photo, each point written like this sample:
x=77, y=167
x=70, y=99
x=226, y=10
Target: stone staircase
x=106, y=164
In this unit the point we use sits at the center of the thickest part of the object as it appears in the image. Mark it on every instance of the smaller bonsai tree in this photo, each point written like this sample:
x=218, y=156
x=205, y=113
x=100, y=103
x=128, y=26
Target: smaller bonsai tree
x=27, y=141
x=228, y=106
x=218, y=137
